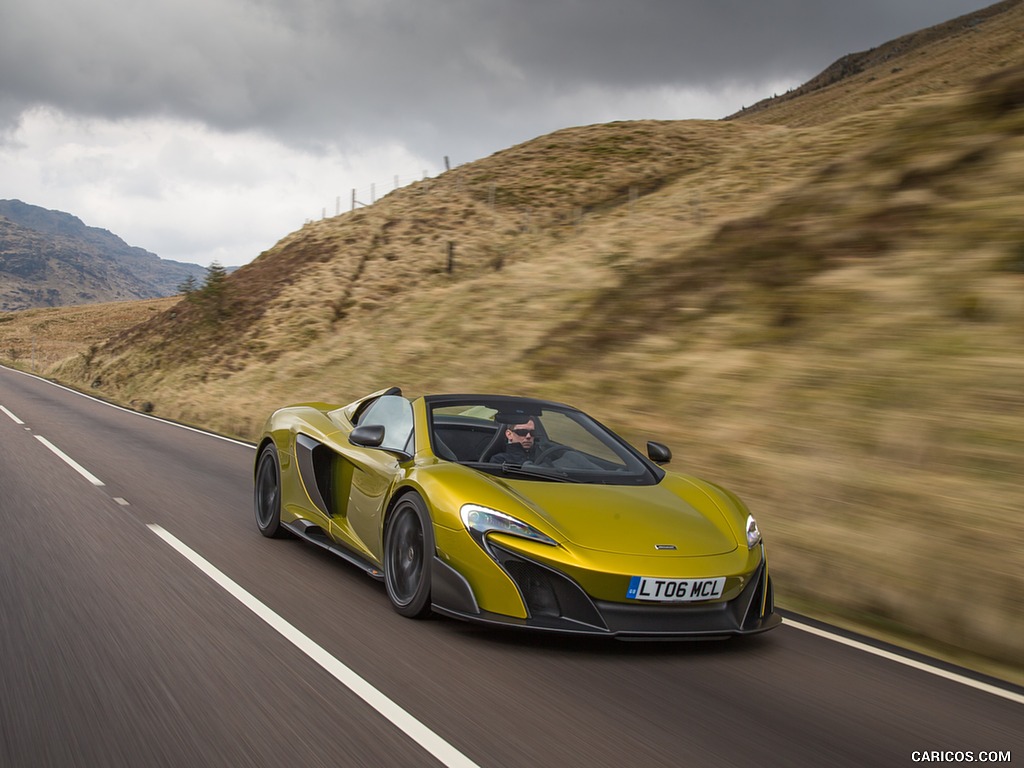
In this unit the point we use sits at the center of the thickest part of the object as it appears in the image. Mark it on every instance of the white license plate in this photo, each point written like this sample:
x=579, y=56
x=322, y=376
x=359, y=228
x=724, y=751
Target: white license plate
x=675, y=590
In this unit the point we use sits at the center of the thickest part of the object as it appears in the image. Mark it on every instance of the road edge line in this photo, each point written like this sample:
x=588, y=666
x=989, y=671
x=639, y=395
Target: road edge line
x=914, y=664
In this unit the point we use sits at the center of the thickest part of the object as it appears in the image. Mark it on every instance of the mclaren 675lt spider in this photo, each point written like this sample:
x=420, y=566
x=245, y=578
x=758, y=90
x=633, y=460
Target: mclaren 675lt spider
x=513, y=511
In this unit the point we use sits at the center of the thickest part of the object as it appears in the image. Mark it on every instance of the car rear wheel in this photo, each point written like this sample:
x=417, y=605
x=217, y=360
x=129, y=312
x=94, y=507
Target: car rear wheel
x=267, y=494
x=408, y=553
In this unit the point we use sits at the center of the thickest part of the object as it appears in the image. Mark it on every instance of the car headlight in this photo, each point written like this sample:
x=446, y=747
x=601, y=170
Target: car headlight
x=753, y=533
x=483, y=520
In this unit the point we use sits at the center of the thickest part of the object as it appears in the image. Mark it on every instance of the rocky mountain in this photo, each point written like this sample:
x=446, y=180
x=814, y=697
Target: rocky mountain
x=50, y=258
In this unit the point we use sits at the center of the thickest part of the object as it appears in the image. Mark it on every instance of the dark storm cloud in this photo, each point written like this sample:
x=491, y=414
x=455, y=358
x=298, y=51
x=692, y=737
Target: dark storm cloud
x=476, y=73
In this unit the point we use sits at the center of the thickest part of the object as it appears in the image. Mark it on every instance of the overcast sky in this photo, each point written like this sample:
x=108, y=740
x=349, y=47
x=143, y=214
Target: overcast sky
x=206, y=130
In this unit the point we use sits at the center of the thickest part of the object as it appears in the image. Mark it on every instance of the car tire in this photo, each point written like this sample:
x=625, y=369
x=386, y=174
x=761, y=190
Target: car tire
x=267, y=494
x=408, y=554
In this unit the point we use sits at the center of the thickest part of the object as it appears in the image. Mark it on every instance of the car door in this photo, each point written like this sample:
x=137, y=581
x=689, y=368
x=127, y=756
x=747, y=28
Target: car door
x=370, y=472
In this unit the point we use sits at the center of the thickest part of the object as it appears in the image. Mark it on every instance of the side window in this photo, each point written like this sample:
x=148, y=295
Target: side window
x=394, y=413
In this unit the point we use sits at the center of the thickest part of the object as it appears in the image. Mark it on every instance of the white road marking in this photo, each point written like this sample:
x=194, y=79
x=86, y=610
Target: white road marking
x=13, y=418
x=121, y=501
x=919, y=665
x=413, y=728
x=71, y=462
x=1015, y=697
x=129, y=410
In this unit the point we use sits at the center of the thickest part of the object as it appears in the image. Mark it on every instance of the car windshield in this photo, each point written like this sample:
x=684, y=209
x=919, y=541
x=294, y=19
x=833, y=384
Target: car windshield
x=532, y=439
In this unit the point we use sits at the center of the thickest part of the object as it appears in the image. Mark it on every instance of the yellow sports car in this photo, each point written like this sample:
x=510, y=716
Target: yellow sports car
x=515, y=512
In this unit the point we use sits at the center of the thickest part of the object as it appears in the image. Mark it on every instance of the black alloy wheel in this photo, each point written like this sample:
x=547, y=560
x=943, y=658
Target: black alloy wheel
x=267, y=494
x=408, y=553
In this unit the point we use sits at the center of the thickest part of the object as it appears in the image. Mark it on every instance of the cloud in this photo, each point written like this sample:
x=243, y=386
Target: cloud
x=340, y=71
x=202, y=195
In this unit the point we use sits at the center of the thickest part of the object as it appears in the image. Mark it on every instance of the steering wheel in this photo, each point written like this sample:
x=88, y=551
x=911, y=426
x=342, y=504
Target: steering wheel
x=550, y=451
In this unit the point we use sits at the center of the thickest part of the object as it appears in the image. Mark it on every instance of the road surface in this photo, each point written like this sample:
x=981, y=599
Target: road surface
x=146, y=622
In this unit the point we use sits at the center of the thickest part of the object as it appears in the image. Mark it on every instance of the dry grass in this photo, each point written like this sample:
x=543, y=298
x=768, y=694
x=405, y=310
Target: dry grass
x=929, y=62
x=827, y=318
x=37, y=339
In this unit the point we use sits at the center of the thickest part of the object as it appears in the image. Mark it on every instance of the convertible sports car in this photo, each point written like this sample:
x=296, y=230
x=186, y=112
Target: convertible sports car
x=515, y=512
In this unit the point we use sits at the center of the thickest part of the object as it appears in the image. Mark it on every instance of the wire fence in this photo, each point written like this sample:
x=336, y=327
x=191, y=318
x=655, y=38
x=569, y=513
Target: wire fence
x=359, y=197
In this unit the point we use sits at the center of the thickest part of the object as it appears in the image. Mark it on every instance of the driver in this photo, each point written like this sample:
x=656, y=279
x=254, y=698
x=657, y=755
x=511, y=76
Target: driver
x=522, y=446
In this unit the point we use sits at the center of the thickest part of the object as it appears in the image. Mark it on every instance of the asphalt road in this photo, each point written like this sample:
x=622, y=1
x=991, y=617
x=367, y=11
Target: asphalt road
x=145, y=622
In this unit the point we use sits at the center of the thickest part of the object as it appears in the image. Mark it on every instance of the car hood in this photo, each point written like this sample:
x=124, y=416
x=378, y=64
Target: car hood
x=633, y=520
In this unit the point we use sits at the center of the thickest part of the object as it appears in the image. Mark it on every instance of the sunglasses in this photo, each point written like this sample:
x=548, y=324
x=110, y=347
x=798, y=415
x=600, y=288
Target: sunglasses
x=522, y=432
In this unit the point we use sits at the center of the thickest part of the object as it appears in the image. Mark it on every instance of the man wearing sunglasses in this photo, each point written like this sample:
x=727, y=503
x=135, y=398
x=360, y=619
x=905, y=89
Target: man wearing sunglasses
x=521, y=446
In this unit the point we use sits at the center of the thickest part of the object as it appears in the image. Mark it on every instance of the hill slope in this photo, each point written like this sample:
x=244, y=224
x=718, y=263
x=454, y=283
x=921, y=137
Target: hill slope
x=933, y=60
x=827, y=318
x=50, y=258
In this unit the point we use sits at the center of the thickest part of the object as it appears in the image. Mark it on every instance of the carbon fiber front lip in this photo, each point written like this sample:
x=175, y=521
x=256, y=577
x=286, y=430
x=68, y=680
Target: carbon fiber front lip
x=740, y=616
x=567, y=627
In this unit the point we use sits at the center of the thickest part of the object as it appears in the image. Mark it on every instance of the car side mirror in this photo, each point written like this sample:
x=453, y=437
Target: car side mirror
x=367, y=436
x=659, y=453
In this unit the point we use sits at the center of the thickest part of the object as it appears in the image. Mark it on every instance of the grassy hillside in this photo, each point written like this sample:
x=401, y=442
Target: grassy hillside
x=930, y=61
x=38, y=339
x=824, y=314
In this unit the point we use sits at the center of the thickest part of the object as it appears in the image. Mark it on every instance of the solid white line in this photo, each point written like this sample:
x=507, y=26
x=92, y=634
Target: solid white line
x=129, y=410
x=426, y=738
x=70, y=462
x=919, y=665
x=13, y=418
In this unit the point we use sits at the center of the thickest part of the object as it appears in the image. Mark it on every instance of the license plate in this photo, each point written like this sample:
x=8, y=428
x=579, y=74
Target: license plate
x=675, y=590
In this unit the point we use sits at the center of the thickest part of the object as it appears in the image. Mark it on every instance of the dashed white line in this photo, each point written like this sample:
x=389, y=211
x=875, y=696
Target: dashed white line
x=12, y=417
x=417, y=731
x=70, y=462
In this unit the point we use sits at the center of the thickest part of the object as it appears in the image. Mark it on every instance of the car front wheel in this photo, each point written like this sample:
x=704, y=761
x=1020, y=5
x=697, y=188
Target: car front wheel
x=408, y=553
x=267, y=494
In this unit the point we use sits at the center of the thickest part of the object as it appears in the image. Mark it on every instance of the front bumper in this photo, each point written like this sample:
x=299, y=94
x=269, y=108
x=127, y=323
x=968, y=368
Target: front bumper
x=556, y=603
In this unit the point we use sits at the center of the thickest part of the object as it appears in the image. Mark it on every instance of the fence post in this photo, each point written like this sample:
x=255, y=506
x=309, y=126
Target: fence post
x=451, y=257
